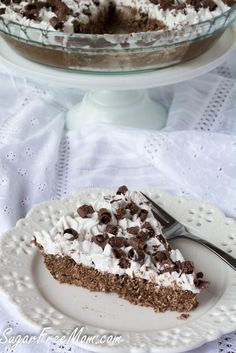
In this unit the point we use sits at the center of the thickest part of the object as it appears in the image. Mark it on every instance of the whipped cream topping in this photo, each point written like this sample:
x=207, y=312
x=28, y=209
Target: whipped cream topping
x=75, y=236
x=171, y=18
x=175, y=18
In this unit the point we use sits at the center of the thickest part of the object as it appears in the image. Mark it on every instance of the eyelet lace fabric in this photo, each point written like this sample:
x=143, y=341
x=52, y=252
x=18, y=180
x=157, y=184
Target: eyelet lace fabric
x=193, y=156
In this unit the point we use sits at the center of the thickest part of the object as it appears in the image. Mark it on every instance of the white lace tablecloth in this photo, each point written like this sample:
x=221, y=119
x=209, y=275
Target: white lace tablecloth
x=195, y=155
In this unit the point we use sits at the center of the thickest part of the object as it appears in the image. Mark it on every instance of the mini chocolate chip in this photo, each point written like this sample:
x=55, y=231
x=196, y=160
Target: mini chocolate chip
x=122, y=190
x=117, y=242
x=118, y=253
x=55, y=23
x=16, y=1
x=2, y=11
x=133, y=208
x=209, y=4
x=160, y=256
x=120, y=213
x=41, y=4
x=137, y=244
x=112, y=229
x=104, y=216
x=6, y=2
x=146, y=225
x=200, y=283
x=73, y=232
x=85, y=210
x=133, y=230
x=195, y=3
x=167, y=4
x=150, y=230
x=187, y=267
x=183, y=316
x=124, y=263
x=180, y=7
x=161, y=239
x=100, y=239
x=61, y=13
x=30, y=7
x=31, y=11
x=76, y=26
x=143, y=215
x=199, y=275
x=143, y=236
x=137, y=255
x=96, y=2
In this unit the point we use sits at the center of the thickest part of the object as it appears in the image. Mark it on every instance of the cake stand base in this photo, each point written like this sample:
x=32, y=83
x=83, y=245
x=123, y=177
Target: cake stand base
x=131, y=108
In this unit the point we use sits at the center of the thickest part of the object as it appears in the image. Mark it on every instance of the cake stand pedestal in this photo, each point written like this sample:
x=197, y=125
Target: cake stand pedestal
x=129, y=107
x=120, y=98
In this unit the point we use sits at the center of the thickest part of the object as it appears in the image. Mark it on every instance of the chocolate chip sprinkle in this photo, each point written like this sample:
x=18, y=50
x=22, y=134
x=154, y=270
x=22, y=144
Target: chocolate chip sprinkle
x=76, y=26
x=150, y=230
x=160, y=256
x=73, y=232
x=137, y=243
x=133, y=208
x=183, y=316
x=2, y=11
x=104, y=216
x=55, y=23
x=133, y=230
x=117, y=242
x=186, y=267
x=143, y=215
x=120, y=213
x=100, y=239
x=85, y=211
x=118, y=253
x=31, y=11
x=199, y=282
x=137, y=255
x=143, y=236
x=124, y=263
x=161, y=239
x=111, y=229
x=122, y=190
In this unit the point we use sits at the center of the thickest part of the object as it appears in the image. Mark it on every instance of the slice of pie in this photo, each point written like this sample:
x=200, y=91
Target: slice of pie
x=115, y=244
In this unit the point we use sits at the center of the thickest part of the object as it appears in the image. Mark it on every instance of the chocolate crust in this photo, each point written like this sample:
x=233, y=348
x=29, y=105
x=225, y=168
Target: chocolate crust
x=137, y=291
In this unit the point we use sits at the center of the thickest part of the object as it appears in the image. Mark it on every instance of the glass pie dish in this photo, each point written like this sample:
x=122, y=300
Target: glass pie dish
x=115, y=53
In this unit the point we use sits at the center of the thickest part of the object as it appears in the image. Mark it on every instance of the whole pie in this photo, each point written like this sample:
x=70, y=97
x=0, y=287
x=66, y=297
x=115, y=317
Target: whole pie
x=115, y=244
x=111, y=16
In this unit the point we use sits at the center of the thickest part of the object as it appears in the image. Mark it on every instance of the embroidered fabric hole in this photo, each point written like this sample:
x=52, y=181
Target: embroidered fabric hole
x=212, y=116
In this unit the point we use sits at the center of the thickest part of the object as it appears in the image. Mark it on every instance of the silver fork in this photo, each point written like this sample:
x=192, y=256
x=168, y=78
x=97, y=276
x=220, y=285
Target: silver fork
x=173, y=229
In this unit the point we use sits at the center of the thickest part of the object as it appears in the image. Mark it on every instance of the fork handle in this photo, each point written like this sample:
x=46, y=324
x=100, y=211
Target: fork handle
x=230, y=260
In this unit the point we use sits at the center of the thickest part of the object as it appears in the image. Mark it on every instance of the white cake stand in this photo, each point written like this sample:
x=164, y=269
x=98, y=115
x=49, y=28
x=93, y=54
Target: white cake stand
x=120, y=99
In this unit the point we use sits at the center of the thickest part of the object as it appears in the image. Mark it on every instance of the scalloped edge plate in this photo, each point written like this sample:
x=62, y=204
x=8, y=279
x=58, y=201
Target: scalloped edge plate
x=215, y=315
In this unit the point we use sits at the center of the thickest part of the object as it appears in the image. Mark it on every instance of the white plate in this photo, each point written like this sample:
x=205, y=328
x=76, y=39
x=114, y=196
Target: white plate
x=45, y=302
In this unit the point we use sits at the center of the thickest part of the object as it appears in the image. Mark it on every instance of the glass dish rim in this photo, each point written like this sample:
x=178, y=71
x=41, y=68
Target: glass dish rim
x=122, y=35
